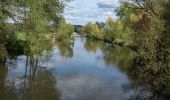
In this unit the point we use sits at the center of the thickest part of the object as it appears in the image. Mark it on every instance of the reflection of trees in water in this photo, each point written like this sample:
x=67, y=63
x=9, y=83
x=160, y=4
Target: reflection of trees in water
x=118, y=55
x=156, y=81
x=36, y=84
x=65, y=48
x=3, y=53
x=143, y=81
x=39, y=83
x=91, y=45
x=146, y=85
x=149, y=81
x=7, y=89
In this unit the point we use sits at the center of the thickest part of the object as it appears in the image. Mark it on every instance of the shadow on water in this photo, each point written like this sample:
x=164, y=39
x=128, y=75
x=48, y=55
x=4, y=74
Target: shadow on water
x=84, y=70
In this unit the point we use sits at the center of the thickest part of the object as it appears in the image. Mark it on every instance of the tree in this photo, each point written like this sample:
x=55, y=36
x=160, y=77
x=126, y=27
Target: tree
x=35, y=18
x=148, y=6
x=126, y=11
x=92, y=30
x=150, y=33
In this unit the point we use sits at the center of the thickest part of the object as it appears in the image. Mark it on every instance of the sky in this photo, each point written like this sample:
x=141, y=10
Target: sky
x=79, y=12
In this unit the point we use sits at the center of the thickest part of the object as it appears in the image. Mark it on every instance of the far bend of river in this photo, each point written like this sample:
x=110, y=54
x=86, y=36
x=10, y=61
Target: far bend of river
x=85, y=70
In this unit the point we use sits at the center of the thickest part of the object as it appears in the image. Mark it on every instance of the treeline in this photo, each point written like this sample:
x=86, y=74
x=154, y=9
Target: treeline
x=112, y=31
x=145, y=26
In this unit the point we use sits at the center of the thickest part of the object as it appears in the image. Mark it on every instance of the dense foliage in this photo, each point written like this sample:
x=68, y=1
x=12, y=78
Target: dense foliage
x=26, y=24
x=113, y=31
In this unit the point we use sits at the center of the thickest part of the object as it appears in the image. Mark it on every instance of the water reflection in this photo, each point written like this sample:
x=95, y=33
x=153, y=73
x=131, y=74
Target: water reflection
x=144, y=82
x=28, y=81
x=7, y=91
x=121, y=56
x=91, y=45
x=65, y=49
x=86, y=70
x=39, y=83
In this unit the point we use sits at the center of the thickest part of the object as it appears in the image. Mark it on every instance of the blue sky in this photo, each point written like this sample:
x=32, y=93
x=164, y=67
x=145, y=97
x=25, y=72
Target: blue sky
x=79, y=12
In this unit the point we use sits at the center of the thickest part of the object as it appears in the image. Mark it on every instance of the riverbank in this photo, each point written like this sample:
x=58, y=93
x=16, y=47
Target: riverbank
x=115, y=43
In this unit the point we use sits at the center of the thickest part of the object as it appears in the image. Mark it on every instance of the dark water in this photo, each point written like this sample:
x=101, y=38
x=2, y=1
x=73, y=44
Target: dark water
x=83, y=70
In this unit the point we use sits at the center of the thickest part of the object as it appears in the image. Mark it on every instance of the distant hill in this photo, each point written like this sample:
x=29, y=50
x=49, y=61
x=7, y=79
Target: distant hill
x=77, y=28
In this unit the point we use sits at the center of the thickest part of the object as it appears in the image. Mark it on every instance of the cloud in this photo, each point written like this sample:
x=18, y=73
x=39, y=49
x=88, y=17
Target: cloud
x=82, y=11
x=108, y=3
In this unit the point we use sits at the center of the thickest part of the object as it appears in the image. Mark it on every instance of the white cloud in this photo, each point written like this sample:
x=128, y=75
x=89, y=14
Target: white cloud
x=82, y=11
x=108, y=3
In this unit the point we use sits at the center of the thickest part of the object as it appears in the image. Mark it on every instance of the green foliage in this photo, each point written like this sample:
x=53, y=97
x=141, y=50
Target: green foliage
x=92, y=30
x=32, y=23
x=21, y=37
x=64, y=31
x=113, y=31
x=149, y=24
x=34, y=15
x=126, y=11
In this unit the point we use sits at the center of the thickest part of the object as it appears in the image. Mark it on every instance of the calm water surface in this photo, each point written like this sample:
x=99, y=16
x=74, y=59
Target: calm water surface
x=84, y=70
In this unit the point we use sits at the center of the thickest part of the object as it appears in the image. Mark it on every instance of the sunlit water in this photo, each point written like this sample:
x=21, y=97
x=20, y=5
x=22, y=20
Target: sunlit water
x=86, y=71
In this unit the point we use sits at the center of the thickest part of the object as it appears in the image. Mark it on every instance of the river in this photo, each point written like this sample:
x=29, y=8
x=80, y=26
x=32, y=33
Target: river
x=85, y=70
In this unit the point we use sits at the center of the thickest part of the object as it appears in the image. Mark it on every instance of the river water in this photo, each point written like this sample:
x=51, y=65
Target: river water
x=84, y=70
